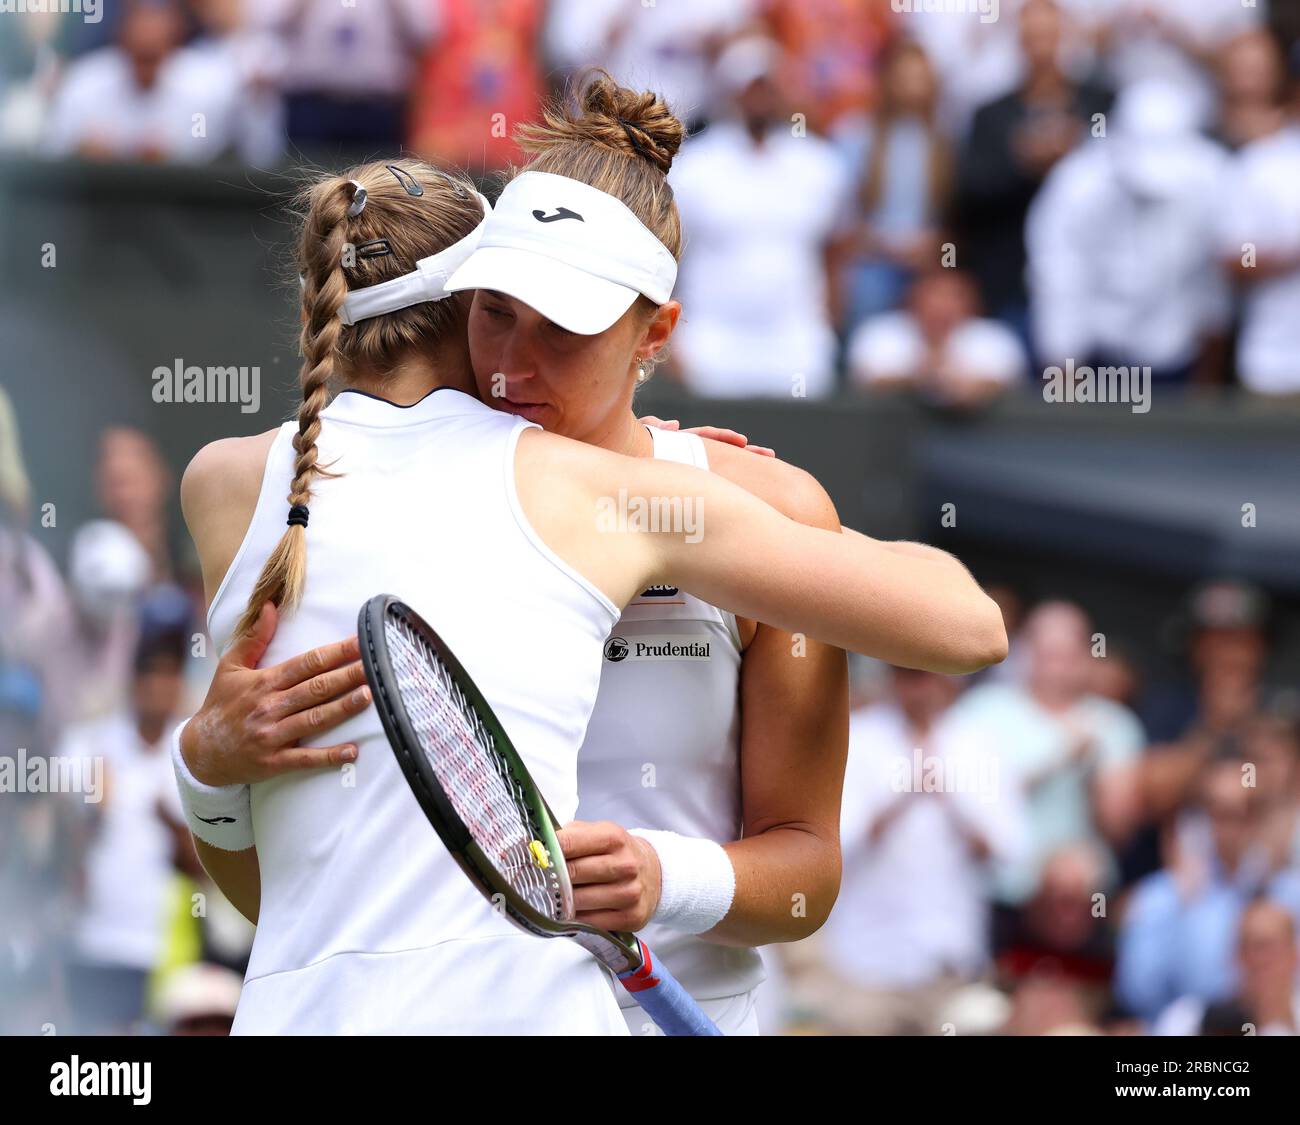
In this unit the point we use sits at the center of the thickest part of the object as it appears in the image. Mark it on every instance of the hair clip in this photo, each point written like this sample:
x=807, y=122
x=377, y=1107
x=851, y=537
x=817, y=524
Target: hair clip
x=409, y=183
x=375, y=248
x=358, y=203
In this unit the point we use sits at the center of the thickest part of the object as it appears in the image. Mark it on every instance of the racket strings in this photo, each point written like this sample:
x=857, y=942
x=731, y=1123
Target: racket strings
x=462, y=753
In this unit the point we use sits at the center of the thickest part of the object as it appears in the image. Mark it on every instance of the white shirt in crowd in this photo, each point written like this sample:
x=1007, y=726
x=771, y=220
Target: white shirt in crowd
x=664, y=47
x=99, y=102
x=912, y=906
x=891, y=346
x=362, y=49
x=129, y=863
x=1032, y=742
x=1260, y=209
x=1145, y=43
x=758, y=218
x=1185, y=1015
x=1121, y=254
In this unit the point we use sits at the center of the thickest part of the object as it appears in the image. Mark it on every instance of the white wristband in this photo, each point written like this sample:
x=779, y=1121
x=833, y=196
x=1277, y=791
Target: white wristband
x=697, y=881
x=220, y=815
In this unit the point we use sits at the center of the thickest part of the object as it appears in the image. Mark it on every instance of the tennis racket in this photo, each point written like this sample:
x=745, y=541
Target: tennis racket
x=479, y=797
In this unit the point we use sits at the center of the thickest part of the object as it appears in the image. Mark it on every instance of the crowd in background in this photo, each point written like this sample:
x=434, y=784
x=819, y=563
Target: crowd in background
x=933, y=200
x=874, y=199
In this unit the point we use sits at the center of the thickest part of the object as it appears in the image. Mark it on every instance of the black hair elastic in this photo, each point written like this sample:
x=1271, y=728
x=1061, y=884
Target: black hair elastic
x=298, y=516
x=628, y=128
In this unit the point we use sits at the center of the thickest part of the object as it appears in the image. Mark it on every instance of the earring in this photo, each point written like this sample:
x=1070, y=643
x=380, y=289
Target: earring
x=641, y=373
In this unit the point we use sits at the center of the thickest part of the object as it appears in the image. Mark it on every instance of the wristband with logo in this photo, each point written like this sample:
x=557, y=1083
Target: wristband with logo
x=220, y=815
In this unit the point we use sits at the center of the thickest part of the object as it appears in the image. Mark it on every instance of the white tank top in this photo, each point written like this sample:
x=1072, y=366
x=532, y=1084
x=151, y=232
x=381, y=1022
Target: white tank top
x=663, y=745
x=367, y=925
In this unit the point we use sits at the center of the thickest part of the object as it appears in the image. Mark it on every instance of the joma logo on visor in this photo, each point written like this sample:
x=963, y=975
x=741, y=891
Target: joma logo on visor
x=560, y=213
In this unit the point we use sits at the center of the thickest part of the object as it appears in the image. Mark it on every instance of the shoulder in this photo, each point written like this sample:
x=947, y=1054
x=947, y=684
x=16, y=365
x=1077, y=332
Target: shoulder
x=227, y=472
x=792, y=491
x=219, y=494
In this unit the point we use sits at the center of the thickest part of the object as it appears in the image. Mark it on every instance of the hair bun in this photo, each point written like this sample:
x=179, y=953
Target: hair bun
x=650, y=129
x=636, y=122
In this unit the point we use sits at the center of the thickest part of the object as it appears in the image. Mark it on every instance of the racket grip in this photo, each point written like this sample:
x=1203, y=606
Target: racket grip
x=663, y=999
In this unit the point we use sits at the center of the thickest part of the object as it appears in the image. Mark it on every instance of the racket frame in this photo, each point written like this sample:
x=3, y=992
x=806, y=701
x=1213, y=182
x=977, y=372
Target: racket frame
x=619, y=952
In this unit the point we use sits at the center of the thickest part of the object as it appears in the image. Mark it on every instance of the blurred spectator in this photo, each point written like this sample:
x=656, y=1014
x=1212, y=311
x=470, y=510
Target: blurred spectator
x=477, y=80
x=1259, y=239
x=902, y=165
x=1061, y=933
x=1116, y=675
x=1252, y=84
x=761, y=208
x=1172, y=40
x=1177, y=936
x=41, y=840
x=1014, y=142
x=1272, y=743
x=1120, y=245
x=199, y=999
x=29, y=74
x=231, y=46
x=114, y=563
x=980, y=57
x=147, y=97
x=834, y=50
x=668, y=48
x=108, y=573
x=345, y=70
x=140, y=838
x=38, y=637
x=939, y=347
x=1072, y=752
x=1048, y=1004
x=134, y=484
x=924, y=813
x=1228, y=649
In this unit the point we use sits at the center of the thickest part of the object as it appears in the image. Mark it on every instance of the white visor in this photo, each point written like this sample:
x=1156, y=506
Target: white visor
x=427, y=282
x=572, y=252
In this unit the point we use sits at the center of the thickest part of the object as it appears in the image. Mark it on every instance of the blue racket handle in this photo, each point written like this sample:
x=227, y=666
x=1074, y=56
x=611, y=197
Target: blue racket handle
x=664, y=1000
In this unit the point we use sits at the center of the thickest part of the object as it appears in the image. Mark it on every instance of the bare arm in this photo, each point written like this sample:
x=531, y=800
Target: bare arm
x=793, y=742
x=741, y=554
x=237, y=874
x=252, y=721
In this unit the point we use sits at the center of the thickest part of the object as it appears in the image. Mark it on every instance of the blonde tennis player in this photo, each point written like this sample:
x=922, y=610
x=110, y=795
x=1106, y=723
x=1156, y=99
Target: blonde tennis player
x=522, y=547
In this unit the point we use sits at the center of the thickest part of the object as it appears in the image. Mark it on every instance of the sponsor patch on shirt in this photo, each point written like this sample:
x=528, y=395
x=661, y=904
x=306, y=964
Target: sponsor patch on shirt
x=665, y=647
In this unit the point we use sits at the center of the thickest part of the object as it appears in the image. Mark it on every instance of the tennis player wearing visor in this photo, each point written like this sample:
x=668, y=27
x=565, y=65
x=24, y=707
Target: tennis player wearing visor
x=708, y=780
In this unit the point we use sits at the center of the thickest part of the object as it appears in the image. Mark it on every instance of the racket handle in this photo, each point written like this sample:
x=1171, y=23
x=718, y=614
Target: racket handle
x=663, y=999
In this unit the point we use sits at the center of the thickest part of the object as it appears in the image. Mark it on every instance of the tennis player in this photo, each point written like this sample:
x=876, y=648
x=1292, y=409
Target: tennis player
x=718, y=742
x=499, y=533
